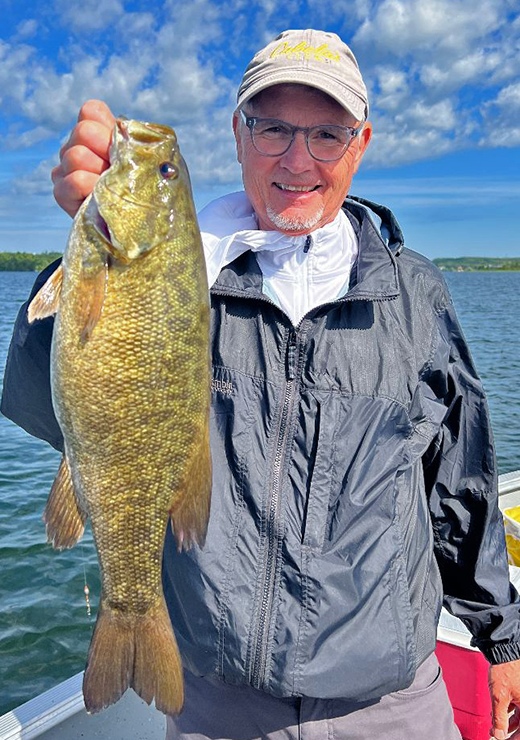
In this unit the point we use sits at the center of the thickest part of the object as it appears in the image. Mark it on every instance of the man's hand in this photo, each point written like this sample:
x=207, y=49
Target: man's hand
x=504, y=686
x=84, y=157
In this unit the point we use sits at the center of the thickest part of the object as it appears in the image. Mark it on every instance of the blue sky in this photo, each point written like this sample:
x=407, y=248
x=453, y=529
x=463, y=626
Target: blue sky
x=443, y=77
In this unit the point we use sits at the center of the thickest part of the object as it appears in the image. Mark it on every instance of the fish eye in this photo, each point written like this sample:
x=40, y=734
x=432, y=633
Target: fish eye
x=167, y=170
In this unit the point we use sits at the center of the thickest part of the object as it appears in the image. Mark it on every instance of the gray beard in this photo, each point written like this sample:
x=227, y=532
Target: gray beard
x=296, y=223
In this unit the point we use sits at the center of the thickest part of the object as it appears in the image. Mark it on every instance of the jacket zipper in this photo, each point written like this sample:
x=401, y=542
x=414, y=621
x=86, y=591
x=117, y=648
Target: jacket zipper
x=259, y=653
x=261, y=637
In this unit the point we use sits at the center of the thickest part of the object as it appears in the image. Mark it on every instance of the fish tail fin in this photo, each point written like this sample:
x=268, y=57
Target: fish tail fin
x=157, y=665
x=110, y=659
x=189, y=513
x=139, y=652
x=64, y=516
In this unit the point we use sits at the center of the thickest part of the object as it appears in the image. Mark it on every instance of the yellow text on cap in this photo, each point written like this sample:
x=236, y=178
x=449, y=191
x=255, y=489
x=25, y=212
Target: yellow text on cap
x=320, y=53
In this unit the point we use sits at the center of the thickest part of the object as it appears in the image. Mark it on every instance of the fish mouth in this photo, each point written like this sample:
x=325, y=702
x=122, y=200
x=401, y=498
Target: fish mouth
x=101, y=227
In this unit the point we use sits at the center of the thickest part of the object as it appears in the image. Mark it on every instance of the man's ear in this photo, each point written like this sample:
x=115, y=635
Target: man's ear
x=363, y=142
x=238, y=136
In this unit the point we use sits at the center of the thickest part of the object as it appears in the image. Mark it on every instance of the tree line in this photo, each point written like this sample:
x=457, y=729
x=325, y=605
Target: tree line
x=478, y=264
x=25, y=261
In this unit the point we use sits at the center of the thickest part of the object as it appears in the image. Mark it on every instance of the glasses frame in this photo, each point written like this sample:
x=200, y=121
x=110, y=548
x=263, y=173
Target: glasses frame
x=251, y=121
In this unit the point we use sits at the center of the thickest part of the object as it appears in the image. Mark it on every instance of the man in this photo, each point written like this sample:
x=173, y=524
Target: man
x=350, y=437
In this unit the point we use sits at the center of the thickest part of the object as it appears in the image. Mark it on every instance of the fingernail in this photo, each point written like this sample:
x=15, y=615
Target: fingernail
x=500, y=735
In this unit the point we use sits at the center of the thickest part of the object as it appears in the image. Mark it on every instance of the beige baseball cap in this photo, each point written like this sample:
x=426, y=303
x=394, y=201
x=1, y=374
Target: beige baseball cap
x=315, y=58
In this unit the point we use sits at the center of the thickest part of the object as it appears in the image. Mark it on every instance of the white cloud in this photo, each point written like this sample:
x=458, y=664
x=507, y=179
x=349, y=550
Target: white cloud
x=421, y=27
x=209, y=149
x=502, y=118
x=14, y=63
x=25, y=29
x=89, y=15
x=192, y=26
x=439, y=116
x=392, y=146
x=430, y=66
x=478, y=67
x=38, y=182
x=393, y=88
x=180, y=65
x=131, y=25
x=509, y=96
x=26, y=139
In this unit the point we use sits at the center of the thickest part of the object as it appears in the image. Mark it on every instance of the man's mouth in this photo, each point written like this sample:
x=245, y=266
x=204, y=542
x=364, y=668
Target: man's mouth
x=296, y=188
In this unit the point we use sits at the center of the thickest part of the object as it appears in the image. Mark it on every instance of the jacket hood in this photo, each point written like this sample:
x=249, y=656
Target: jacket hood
x=382, y=219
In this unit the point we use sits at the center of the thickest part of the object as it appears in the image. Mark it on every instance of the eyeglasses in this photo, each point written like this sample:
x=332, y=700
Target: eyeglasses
x=272, y=137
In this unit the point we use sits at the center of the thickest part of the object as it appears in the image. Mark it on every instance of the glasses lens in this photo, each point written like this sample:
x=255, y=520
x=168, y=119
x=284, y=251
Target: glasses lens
x=328, y=142
x=271, y=137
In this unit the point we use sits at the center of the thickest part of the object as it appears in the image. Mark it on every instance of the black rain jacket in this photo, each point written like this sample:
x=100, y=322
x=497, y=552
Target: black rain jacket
x=354, y=481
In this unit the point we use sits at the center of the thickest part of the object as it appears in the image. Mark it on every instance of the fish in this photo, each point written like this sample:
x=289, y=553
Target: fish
x=130, y=380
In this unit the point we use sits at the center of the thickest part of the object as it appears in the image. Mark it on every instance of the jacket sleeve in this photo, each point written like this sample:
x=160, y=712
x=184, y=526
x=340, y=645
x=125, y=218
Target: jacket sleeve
x=26, y=397
x=461, y=481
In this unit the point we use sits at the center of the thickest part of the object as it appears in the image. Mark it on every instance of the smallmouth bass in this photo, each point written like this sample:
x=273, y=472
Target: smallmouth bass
x=130, y=377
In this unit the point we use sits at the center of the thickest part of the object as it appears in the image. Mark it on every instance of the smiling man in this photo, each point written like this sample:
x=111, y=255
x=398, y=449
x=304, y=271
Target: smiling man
x=354, y=475
x=297, y=174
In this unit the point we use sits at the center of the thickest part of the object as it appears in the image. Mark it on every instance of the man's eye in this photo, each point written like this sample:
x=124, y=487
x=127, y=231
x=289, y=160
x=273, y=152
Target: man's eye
x=273, y=130
x=325, y=135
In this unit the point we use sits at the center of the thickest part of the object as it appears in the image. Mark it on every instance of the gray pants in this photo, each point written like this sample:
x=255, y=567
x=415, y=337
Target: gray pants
x=221, y=712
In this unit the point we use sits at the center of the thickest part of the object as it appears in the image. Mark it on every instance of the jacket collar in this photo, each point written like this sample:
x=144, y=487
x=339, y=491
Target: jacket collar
x=375, y=275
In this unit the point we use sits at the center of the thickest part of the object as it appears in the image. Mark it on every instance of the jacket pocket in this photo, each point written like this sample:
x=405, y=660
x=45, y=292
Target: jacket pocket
x=322, y=474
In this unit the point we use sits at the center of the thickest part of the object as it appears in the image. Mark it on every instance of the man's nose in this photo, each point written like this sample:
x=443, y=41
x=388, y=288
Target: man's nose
x=297, y=158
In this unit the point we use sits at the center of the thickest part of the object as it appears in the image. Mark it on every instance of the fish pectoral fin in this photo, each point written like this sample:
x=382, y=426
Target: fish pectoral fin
x=189, y=512
x=47, y=300
x=64, y=516
x=137, y=651
x=92, y=289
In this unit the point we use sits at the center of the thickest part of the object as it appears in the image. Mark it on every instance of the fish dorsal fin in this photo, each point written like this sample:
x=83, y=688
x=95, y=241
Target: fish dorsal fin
x=64, y=515
x=46, y=301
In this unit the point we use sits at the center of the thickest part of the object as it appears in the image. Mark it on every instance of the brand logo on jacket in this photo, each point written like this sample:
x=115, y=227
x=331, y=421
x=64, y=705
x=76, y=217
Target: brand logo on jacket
x=222, y=386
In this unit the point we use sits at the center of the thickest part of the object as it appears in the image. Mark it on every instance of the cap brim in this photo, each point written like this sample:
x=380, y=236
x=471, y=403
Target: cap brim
x=348, y=99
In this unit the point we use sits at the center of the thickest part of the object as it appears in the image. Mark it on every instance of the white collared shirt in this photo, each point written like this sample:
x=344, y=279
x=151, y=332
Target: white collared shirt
x=295, y=278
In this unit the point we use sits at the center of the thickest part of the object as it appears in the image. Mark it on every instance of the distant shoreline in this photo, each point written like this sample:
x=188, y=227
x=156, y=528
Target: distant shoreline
x=26, y=261
x=29, y=262
x=478, y=264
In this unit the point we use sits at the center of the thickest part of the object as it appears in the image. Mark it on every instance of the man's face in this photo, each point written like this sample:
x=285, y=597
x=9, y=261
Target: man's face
x=297, y=212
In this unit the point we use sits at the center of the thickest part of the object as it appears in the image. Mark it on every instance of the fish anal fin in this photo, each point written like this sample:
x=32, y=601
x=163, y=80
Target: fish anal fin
x=64, y=516
x=46, y=301
x=133, y=651
x=92, y=290
x=189, y=512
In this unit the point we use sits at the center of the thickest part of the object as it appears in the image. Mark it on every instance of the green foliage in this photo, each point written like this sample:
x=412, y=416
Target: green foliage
x=478, y=264
x=26, y=262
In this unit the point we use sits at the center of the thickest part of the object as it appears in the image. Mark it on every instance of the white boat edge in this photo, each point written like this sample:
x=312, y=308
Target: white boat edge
x=44, y=711
x=53, y=707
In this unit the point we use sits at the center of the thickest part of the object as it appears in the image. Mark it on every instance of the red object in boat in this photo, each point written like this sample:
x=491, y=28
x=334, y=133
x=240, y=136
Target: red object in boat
x=465, y=673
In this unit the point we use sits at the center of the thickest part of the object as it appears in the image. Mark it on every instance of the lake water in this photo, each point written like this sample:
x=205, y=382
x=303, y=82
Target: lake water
x=44, y=627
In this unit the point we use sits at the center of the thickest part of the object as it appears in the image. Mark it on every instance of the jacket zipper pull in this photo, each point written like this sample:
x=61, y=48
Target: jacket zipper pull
x=291, y=356
x=307, y=245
